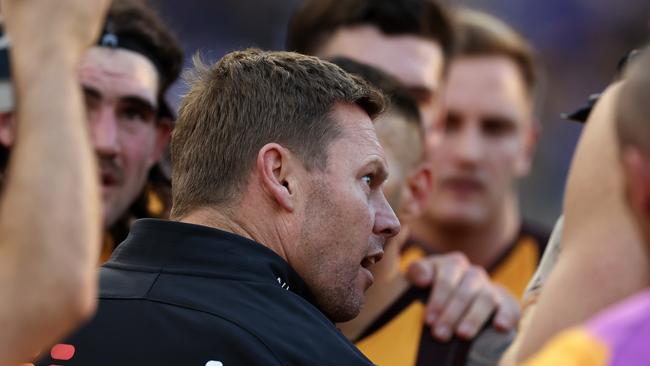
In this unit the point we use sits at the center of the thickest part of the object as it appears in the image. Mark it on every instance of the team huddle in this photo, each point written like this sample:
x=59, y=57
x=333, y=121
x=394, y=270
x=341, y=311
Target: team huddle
x=351, y=200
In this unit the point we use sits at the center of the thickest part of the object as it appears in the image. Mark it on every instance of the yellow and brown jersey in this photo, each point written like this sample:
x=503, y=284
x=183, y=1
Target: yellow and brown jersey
x=399, y=337
x=514, y=267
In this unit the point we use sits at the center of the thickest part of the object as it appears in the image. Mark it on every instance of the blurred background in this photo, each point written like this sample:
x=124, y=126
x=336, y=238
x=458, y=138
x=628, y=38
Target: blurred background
x=579, y=43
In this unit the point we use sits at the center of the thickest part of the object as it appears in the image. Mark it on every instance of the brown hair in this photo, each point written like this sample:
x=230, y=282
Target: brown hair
x=316, y=20
x=135, y=19
x=409, y=142
x=246, y=100
x=399, y=99
x=481, y=34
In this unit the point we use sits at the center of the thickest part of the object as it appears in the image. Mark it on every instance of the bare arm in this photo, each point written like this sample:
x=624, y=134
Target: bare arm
x=50, y=210
x=602, y=258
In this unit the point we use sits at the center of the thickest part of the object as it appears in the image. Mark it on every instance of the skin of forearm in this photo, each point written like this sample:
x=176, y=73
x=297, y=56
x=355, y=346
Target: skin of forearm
x=603, y=259
x=50, y=219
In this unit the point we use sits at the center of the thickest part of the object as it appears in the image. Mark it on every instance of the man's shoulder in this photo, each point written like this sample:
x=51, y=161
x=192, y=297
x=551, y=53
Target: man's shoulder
x=616, y=336
x=143, y=331
x=177, y=316
x=626, y=325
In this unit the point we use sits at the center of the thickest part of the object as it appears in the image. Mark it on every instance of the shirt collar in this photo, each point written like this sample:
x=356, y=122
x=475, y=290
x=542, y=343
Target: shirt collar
x=176, y=247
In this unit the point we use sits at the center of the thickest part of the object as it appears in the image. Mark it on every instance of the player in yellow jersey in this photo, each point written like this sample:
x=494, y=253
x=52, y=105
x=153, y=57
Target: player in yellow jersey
x=389, y=329
x=411, y=41
x=487, y=140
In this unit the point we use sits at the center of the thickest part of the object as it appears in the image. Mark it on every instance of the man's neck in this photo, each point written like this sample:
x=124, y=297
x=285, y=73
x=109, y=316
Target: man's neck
x=231, y=223
x=482, y=244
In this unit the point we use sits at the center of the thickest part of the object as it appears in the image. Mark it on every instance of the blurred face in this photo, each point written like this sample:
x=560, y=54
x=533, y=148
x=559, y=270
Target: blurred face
x=346, y=218
x=121, y=98
x=636, y=167
x=403, y=150
x=403, y=147
x=416, y=62
x=485, y=142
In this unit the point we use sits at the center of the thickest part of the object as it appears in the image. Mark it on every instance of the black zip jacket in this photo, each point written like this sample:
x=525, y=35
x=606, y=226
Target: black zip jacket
x=182, y=294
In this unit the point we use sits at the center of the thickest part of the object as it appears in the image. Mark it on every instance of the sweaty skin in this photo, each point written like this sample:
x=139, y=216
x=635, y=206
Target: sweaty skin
x=602, y=258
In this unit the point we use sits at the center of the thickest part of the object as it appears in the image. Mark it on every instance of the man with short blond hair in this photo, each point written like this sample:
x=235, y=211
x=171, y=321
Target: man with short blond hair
x=487, y=141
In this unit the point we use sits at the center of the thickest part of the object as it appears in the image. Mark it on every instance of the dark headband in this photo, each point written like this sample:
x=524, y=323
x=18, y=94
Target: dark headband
x=582, y=113
x=129, y=42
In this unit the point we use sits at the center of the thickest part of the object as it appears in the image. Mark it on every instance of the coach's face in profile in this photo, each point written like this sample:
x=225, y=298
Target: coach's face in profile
x=346, y=218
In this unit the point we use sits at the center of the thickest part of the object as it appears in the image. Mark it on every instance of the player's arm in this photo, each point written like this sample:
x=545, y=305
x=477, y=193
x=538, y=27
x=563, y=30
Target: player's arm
x=602, y=257
x=50, y=209
x=535, y=287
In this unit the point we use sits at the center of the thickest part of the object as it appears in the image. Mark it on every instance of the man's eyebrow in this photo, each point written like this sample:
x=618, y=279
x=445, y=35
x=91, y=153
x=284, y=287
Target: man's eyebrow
x=380, y=167
x=139, y=102
x=420, y=92
x=136, y=100
x=90, y=91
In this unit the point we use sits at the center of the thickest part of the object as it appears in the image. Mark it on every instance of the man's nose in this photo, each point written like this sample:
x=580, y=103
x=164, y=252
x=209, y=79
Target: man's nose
x=386, y=222
x=468, y=147
x=105, y=132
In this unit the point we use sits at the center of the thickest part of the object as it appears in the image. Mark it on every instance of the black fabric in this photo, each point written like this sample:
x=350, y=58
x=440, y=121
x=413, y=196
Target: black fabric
x=181, y=294
x=110, y=39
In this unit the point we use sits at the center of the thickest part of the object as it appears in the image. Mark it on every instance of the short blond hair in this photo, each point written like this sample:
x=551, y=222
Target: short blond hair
x=482, y=34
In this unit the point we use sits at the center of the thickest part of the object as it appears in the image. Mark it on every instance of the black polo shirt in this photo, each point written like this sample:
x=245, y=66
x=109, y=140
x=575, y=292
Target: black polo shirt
x=182, y=294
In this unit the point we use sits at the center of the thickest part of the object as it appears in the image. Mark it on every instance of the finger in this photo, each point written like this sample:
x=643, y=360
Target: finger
x=448, y=273
x=478, y=314
x=460, y=300
x=421, y=272
x=509, y=311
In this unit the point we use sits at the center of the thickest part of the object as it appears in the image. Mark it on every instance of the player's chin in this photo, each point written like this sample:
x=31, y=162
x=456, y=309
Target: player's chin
x=347, y=308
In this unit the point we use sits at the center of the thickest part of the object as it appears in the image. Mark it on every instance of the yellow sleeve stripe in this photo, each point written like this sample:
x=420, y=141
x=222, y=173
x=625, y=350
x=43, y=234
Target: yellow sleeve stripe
x=574, y=347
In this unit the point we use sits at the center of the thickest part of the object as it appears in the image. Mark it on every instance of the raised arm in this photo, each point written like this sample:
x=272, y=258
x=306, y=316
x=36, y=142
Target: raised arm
x=50, y=209
x=602, y=259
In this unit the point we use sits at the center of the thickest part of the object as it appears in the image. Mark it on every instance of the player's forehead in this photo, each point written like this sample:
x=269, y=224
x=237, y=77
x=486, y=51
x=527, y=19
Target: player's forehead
x=119, y=73
x=415, y=61
x=490, y=84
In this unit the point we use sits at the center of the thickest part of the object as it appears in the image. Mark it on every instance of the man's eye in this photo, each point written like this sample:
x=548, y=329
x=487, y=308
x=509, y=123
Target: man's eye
x=452, y=123
x=133, y=114
x=497, y=126
x=367, y=179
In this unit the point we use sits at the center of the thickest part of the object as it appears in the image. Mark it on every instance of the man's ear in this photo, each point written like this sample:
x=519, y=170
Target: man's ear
x=274, y=167
x=531, y=138
x=163, y=134
x=636, y=167
x=415, y=193
x=7, y=135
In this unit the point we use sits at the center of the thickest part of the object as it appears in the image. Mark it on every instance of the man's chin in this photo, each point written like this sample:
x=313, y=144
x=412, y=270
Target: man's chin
x=343, y=308
x=345, y=315
x=461, y=216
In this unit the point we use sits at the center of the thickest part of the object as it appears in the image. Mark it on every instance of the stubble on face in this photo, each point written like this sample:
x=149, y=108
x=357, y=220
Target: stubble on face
x=331, y=269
